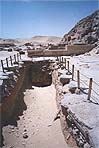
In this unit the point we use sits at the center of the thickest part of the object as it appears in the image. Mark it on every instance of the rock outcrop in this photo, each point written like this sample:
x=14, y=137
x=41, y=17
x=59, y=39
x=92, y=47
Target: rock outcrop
x=86, y=31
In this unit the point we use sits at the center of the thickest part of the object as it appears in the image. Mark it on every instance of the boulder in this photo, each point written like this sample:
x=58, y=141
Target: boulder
x=64, y=80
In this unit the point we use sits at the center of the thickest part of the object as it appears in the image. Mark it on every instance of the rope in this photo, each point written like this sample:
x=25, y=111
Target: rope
x=84, y=82
x=95, y=92
x=92, y=89
x=95, y=99
x=84, y=75
x=96, y=83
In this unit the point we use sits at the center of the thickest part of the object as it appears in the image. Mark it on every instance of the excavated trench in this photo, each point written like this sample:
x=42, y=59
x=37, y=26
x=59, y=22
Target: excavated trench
x=32, y=110
x=37, y=74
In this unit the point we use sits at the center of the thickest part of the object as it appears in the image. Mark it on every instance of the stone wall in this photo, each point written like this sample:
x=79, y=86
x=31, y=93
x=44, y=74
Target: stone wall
x=70, y=50
x=79, y=49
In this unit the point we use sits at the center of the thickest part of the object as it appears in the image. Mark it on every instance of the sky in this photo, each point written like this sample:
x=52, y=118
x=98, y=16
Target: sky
x=28, y=18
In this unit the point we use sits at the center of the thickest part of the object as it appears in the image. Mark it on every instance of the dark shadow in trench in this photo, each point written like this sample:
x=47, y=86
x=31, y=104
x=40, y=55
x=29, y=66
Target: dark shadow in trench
x=41, y=74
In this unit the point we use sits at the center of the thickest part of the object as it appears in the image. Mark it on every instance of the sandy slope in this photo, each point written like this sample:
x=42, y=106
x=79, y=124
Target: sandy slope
x=35, y=39
x=37, y=122
x=41, y=39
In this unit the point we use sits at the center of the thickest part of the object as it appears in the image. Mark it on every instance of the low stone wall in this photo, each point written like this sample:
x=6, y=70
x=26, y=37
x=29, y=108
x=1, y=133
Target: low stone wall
x=70, y=50
x=79, y=49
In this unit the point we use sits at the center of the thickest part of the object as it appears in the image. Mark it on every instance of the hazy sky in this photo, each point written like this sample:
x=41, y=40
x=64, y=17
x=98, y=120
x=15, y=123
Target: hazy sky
x=27, y=18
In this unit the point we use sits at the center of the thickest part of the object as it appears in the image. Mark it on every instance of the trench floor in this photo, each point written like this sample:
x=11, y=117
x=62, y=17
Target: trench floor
x=36, y=122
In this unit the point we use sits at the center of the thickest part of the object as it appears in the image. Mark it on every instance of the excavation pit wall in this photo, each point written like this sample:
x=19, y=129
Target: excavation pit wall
x=75, y=132
x=36, y=73
x=59, y=96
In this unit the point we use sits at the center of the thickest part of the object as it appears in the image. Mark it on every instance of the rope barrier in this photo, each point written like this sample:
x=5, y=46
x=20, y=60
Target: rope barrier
x=84, y=75
x=96, y=83
x=95, y=92
x=8, y=59
x=84, y=83
x=95, y=99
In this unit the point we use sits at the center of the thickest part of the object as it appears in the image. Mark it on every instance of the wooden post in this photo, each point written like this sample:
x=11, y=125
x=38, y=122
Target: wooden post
x=68, y=66
x=62, y=59
x=90, y=88
x=20, y=56
x=11, y=60
x=72, y=72
x=2, y=65
x=57, y=58
x=15, y=58
x=78, y=79
x=65, y=63
x=7, y=62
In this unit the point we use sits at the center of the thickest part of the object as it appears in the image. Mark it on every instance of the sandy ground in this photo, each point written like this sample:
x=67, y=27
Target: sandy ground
x=36, y=124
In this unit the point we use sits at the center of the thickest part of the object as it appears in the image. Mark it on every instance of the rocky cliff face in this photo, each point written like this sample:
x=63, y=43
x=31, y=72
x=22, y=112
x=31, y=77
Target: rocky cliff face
x=86, y=31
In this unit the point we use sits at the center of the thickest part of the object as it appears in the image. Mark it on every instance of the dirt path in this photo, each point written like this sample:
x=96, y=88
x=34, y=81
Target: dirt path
x=36, y=124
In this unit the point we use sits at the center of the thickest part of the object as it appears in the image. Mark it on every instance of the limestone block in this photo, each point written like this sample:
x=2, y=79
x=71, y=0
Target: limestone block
x=65, y=79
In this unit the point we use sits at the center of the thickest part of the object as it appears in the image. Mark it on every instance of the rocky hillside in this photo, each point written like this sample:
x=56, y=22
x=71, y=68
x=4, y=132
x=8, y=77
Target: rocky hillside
x=86, y=31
